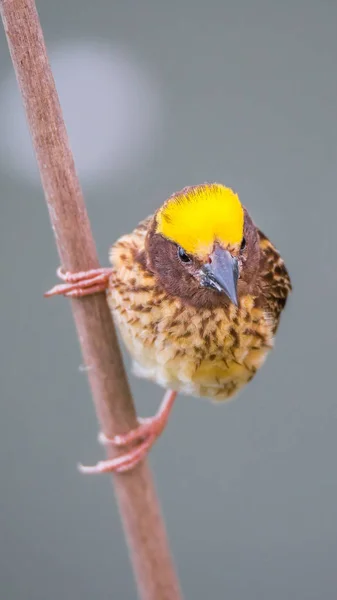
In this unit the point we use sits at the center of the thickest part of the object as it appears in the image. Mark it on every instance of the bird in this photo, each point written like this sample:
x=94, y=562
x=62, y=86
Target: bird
x=196, y=291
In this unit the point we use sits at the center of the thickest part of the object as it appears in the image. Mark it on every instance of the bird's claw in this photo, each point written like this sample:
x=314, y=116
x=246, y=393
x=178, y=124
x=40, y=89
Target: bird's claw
x=144, y=436
x=146, y=428
x=83, y=283
x=123, y=463
x=141, y=440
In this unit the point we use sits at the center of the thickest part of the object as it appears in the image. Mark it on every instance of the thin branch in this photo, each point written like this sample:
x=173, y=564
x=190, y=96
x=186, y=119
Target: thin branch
x=139, y=508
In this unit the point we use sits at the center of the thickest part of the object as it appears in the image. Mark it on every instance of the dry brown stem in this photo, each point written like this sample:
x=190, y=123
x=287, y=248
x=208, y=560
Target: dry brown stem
x=139, y=508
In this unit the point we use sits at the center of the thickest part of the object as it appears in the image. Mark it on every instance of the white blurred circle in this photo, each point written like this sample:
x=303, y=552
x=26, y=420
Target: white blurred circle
x=110, y=106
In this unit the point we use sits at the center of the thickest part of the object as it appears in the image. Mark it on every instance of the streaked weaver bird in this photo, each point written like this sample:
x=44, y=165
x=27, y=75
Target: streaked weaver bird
x=196, y=291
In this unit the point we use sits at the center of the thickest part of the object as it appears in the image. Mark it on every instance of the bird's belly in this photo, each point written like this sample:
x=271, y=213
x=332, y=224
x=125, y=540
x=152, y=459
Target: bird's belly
x=195, y=354
x=218, y=378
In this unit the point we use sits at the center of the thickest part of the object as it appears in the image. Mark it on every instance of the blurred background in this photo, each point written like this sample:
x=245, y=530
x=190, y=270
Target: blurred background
x=157, y=96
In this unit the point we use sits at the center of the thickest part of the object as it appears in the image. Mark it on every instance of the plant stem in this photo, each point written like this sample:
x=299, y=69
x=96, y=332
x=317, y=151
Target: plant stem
x=138, y=504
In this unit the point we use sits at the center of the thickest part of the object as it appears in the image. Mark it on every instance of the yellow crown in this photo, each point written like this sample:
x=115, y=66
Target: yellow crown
x=197, y=216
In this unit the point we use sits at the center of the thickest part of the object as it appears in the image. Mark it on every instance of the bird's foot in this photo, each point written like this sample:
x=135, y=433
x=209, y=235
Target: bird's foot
x=142, y=439
x=81, y=284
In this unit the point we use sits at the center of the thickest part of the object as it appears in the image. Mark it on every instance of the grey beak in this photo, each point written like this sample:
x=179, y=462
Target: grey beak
x=222, y=273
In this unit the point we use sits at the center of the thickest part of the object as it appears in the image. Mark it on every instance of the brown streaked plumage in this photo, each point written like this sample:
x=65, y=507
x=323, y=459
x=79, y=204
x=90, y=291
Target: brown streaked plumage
x=174, y=310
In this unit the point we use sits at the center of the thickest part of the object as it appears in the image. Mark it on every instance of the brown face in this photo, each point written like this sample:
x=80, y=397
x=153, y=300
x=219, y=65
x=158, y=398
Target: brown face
x=226, y=274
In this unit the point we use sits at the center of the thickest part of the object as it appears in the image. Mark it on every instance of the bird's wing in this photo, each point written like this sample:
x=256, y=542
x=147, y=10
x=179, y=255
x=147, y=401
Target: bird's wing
x=276, y=284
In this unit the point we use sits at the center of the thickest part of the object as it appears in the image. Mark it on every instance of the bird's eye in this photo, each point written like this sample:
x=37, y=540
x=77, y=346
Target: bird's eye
x=183, y=256
x=243, y=244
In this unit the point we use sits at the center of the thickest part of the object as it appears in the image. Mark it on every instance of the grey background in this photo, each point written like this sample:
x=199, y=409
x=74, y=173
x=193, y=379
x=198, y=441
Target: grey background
x=248, y=96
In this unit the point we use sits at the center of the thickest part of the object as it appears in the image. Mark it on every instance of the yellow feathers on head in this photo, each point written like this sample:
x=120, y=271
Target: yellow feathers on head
x=197, y=216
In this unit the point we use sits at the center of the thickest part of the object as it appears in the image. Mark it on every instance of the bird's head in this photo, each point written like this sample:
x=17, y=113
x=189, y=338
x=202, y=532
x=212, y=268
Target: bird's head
x=203, y=246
